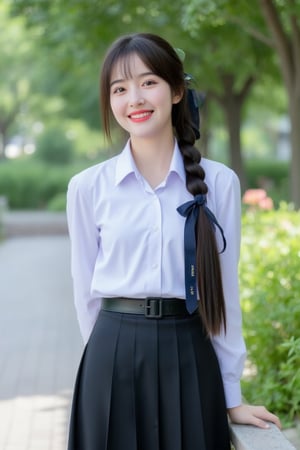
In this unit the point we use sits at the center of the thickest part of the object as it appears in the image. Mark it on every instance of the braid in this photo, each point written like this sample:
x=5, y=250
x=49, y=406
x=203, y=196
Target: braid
x=191, y=156
x=194, y=172
x=209, y=279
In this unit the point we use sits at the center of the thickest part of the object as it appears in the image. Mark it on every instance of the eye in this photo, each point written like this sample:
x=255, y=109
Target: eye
x=149, y=82
x=118, y=90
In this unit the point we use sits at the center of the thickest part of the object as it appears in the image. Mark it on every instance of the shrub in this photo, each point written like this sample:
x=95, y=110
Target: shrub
x=270, y=290
x=58, y=202
x=271, y=175
x=274, y=170
x=19, y=183
x=30, y=184
x=54, y=147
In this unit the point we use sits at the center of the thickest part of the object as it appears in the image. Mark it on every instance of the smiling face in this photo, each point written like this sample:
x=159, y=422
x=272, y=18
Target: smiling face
x=127, y=58
x=140, y=100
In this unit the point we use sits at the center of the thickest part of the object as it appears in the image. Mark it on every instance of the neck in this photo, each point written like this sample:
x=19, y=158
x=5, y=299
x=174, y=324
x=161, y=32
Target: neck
x=153, y=158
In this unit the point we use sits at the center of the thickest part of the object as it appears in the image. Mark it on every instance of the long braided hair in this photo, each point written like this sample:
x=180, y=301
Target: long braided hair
x=162, y=59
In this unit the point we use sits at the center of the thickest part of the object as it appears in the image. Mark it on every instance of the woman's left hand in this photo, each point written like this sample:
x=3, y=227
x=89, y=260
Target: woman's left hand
x=253, y=415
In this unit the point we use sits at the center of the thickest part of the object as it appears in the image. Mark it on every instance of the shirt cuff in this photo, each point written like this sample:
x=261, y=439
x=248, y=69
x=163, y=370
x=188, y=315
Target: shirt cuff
x=233, y=394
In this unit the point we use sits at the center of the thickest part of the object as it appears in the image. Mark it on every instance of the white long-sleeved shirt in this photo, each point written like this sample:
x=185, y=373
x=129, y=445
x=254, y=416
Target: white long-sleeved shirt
x=127, y=240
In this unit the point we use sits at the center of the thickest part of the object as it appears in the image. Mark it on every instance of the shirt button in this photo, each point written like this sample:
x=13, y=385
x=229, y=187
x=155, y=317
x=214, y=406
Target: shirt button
x=154, y=266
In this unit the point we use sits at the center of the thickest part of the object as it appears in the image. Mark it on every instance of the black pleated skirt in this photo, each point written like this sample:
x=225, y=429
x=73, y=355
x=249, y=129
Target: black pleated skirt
x=148, y=384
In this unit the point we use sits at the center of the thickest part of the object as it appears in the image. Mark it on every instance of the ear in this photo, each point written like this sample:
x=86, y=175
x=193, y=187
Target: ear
x=177, y=97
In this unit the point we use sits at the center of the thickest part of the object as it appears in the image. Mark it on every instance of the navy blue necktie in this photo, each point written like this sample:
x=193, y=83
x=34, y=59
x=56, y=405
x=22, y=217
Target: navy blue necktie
x=190, y=210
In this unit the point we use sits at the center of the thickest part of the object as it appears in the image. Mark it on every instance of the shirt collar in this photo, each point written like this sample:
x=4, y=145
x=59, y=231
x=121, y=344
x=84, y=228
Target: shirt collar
x=177, y=165
x=126, y=165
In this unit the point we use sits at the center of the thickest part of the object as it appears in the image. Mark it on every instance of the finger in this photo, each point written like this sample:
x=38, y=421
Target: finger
x=274, y=419
x=267, y=416
x=260, y=423
x=263, y=424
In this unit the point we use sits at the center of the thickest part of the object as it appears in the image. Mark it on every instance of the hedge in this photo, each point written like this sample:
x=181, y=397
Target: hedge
x=270, y=297
x=271, y=175
x=31, y=184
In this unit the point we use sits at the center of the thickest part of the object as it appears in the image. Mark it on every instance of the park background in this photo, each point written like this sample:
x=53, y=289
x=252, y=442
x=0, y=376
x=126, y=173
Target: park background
x=244, y=58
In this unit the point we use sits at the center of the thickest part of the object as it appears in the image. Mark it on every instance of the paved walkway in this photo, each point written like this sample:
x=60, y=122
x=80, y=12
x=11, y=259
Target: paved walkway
x=40, y=345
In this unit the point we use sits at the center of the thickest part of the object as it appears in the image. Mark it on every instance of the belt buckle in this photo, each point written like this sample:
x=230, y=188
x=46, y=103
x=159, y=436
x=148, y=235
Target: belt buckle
x=153, y=308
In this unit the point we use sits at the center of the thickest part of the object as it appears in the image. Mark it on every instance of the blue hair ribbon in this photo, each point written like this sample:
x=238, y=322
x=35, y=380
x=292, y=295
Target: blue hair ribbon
x=190, y=210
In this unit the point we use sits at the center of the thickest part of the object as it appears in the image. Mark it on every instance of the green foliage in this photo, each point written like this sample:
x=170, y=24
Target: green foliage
x=58, y=202
x=270, y=287
x=74, y=50
x=273, y=169
x=15, y=72
x=54, y=147
x=30, y=184
x=271, y=175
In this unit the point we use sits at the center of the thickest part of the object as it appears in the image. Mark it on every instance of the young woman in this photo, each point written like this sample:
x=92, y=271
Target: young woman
x=155, y=235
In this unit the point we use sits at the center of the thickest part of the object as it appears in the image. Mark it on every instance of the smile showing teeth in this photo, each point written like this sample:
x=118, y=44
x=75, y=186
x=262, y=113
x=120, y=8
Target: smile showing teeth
x=140, y=116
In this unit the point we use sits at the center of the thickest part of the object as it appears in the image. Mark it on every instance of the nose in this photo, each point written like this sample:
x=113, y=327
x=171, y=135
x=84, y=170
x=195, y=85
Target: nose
x=136, y=99
x=137, y=102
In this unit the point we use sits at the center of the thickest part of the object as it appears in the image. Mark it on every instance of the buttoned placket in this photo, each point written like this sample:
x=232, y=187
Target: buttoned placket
x=154, y=250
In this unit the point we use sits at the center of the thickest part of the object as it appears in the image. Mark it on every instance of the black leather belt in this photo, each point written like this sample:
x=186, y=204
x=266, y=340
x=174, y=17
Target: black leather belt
x=150, y=307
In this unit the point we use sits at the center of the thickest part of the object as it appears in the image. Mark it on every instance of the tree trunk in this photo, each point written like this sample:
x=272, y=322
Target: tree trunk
x=288, y=50
x=232, y=110
x=294, y=107
x=232, y=102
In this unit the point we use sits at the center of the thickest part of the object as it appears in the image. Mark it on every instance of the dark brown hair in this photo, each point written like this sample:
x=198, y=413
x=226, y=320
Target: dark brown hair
x=162, y=59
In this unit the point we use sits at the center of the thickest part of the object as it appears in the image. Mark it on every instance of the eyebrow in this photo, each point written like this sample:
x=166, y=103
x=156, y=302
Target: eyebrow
x=121, y=80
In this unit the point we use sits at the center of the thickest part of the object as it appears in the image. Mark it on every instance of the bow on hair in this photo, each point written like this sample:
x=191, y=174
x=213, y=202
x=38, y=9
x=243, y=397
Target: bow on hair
x=194, y=98
x=190, y=210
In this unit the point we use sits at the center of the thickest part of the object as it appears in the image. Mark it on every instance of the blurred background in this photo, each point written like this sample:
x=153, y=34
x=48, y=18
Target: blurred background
x=244, y=58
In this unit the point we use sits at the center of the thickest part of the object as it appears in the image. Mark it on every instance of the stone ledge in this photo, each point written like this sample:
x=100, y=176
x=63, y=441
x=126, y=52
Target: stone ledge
x=247, y=437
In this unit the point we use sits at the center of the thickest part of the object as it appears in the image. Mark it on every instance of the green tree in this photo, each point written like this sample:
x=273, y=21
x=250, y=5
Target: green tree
x=75, y=36
x=80, y=32
x=24, y=97
x=282, y=19
x=276, y=24
x=14, y=82
x=228, y=77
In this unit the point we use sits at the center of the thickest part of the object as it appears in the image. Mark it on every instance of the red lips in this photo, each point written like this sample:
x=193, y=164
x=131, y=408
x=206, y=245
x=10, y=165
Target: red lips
x=140, y=116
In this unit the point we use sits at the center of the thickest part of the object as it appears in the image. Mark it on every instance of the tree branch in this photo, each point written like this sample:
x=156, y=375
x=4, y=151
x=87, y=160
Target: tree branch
x=246, y=87
x=281, y=41
x=258, y=35
x=9, y=119
x=228, y=81
x=217, y=97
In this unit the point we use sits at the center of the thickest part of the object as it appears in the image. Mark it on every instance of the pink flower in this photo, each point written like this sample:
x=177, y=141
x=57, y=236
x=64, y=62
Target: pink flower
x=266, y=203
x=259, y=198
